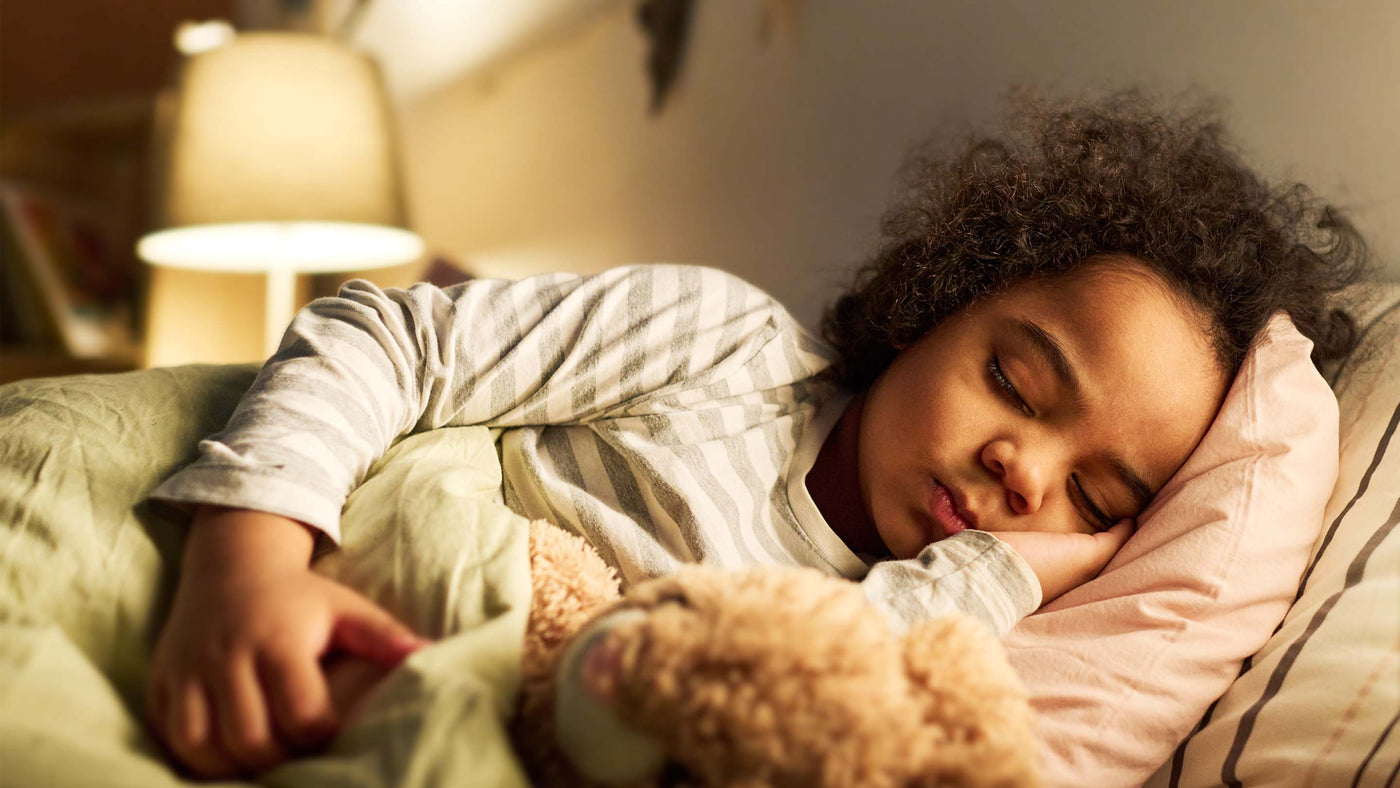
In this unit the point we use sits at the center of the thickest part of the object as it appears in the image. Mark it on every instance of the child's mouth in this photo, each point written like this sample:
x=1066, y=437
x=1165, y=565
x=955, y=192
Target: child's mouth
x=945, y=511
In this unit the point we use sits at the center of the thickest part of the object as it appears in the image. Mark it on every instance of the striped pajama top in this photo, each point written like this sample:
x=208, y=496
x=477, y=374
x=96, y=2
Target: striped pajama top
x=668, y=414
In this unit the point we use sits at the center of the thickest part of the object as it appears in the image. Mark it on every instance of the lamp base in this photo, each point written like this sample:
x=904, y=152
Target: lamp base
x=279, y=307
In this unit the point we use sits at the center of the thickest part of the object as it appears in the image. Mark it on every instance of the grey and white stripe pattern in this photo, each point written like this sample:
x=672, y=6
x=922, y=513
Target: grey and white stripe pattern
x=669, y=414
x=1318, y=705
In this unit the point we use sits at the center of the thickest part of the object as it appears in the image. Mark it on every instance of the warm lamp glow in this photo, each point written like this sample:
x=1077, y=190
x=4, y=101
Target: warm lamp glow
x=305, y=247
x=278, y=159
x=191, y=38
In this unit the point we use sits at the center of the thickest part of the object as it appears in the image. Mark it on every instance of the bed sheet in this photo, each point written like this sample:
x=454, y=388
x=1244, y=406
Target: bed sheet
x=87, y=570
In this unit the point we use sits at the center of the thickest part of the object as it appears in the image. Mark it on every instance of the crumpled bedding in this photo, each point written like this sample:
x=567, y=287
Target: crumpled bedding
x=88, y=567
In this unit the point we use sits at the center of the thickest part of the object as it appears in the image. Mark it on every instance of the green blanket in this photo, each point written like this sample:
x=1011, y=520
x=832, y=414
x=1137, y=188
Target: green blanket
x=89, y=568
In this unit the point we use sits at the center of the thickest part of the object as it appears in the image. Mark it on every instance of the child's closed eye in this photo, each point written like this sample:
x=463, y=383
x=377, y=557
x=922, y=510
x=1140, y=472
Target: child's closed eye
x=1097, y=517
x=1008, y=390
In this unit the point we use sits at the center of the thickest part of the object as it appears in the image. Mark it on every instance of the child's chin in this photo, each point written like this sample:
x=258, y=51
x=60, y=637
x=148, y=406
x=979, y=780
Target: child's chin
x=351, y=680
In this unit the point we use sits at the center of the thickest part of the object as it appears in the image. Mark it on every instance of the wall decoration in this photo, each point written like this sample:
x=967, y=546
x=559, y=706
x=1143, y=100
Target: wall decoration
x=666, y=24
x=778, y=19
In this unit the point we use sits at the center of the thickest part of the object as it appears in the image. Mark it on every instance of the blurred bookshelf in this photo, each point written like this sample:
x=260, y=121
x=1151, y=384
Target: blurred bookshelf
x=73, y=179
x=78, y=91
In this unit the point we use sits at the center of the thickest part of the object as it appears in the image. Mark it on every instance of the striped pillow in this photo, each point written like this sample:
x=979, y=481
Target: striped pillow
x=1319, y=703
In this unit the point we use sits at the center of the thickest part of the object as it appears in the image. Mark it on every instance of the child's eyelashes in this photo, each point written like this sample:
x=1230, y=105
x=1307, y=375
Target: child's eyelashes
x=1096, y=515
x=1007, y=389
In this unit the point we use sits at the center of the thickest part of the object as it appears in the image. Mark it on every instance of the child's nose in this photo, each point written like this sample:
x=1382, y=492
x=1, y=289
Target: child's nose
x=1021, y=474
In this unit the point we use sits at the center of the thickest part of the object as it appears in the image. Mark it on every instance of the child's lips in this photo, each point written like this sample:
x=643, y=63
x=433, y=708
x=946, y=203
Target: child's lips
x=944, y=510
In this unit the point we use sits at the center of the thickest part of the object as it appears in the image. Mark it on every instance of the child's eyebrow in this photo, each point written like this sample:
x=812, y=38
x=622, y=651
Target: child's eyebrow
x=1054, y=352
x=1142, y=493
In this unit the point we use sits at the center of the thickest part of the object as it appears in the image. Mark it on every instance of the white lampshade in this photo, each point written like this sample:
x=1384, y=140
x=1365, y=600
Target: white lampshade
x=280, y=159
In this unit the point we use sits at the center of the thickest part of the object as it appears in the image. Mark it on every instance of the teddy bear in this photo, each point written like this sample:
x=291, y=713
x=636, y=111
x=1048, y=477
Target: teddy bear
x=761, y=678
x=771, y=677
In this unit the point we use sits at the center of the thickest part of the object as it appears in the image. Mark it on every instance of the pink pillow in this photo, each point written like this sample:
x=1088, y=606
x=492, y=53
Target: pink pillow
x=1122, y=668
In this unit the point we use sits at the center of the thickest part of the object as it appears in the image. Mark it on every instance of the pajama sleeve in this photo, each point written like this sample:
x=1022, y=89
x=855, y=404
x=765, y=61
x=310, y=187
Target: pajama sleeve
x=357, y=371
x=971, y=572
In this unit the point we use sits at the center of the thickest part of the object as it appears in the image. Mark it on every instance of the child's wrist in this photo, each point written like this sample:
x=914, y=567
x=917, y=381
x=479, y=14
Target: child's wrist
x=223, y=539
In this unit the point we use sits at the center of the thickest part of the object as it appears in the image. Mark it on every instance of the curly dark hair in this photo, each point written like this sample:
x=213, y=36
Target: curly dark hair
x=1079, y=181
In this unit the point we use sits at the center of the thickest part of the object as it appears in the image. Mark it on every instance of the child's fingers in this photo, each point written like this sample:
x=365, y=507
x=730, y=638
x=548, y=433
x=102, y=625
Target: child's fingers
x=301, y=701
x=244, y=727
x=158, y=706
x=1114, y=538
x=1106, y=545
x=189, y=714
x=189, y=736
x=367, y=631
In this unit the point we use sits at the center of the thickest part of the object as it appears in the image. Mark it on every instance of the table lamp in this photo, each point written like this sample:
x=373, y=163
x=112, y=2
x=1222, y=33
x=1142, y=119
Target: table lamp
x=279, y=159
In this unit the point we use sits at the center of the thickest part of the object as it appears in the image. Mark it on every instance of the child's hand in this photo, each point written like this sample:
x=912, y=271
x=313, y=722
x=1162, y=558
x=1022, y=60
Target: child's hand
x=1065, y=561
x=236, y=684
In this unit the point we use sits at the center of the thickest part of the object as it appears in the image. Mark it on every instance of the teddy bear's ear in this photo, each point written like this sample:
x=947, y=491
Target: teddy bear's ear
x=959, y=672
x=569, y=583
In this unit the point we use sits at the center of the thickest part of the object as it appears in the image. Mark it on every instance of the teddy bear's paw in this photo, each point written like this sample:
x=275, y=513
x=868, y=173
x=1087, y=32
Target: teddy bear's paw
x=600, y=745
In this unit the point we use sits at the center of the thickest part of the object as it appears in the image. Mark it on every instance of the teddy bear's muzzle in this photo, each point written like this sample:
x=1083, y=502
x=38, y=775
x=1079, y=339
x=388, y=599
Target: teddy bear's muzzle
x=598, y=744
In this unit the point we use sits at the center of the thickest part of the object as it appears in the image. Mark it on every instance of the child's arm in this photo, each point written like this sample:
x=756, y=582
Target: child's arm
x=357, y=371
x=236, y=683
x=1062, y=562
x=996, y=578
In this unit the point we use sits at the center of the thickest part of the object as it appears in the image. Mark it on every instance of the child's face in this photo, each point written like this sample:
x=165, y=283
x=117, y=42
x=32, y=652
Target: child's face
x=982, y=424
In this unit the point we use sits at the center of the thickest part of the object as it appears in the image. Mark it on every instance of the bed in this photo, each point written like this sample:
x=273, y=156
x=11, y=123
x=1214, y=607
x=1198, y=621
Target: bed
x=88, y=568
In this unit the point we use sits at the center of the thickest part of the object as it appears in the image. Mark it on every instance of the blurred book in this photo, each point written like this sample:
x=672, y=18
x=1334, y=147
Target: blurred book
x=23, y=320
x=66, y=273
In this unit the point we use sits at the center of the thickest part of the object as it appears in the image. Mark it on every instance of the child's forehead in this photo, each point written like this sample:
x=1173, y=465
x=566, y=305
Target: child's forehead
x=1109, y=285
x=1099, y=309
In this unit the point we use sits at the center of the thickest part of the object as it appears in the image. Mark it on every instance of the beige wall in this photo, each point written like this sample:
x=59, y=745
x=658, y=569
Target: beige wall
x=775, y=161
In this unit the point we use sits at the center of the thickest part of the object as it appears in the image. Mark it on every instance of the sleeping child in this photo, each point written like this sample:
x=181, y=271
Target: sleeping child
x=1041, y=341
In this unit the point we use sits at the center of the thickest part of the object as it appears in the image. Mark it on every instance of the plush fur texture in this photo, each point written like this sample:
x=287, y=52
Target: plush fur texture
x=774, y=677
